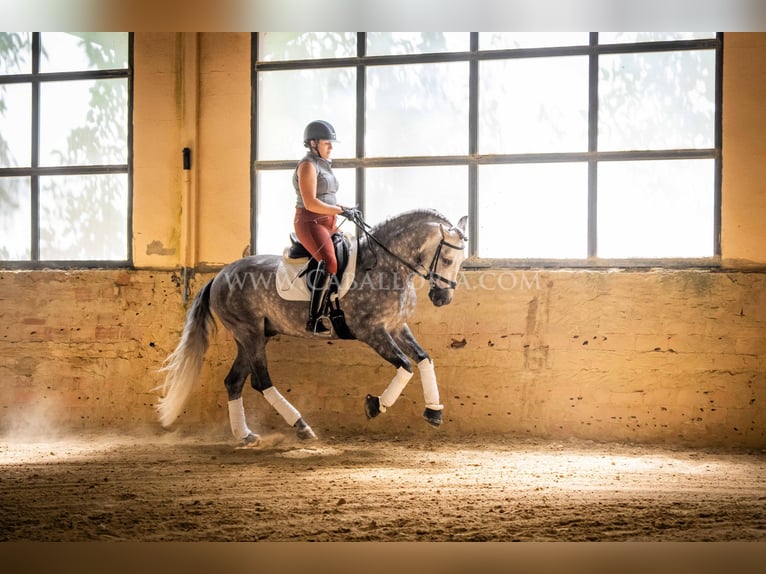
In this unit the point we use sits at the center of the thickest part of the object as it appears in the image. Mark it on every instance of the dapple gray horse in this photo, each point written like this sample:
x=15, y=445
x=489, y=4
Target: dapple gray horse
x=377, y=306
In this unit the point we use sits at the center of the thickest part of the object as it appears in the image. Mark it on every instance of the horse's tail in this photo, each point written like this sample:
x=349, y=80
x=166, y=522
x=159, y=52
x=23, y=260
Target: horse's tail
x=183, y=366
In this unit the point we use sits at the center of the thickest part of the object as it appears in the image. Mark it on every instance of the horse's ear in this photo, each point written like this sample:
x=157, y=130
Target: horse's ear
x=460, y=227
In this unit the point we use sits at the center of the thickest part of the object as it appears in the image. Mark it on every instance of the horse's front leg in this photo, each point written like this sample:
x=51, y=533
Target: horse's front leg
x=433, y=411
x=396, y=349
x=383, y=343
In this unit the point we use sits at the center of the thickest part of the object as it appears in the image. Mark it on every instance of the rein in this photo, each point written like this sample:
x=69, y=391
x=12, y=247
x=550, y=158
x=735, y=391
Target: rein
x=431, y=276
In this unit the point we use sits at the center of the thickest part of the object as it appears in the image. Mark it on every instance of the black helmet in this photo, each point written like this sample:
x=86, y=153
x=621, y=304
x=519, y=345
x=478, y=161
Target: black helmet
x=318, y=130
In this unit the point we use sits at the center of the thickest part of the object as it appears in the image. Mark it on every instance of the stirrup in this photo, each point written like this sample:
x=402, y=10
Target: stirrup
x=316, y=325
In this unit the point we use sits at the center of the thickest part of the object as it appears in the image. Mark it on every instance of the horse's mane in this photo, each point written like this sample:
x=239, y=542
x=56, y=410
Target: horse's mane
x=408, y=217
x=390, y=229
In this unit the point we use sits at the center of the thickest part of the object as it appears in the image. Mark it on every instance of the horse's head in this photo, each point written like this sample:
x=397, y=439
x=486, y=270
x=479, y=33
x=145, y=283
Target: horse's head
x=446, y=262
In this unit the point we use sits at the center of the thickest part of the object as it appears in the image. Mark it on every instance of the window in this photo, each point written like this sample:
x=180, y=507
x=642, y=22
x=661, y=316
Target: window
x=65, y=149
x=574, y=148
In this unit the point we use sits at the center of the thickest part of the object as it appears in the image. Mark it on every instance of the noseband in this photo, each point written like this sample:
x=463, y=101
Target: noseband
x=431, y=275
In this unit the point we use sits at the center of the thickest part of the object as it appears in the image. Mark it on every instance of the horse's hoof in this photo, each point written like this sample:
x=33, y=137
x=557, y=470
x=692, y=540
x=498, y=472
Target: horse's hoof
x=304, y=431
x=372, y=406
x=250, y=441
x=432, y=417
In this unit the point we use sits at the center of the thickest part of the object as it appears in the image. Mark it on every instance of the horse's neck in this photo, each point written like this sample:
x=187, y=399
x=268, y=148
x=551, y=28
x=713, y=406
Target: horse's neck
x=407, y=239
x=411, y=235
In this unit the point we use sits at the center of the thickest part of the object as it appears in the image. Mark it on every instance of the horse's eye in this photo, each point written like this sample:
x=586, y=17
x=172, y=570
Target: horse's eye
x=447, y=261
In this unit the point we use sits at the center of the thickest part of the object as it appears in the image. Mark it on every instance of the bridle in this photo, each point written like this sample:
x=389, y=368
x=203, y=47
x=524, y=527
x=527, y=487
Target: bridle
x=431, y=275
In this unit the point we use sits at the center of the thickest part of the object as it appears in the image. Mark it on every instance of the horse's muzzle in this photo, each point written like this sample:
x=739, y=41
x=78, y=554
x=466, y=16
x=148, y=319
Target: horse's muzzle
x=439, y=296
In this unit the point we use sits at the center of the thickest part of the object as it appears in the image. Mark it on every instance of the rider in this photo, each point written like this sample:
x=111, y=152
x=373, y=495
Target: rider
x=316, y=211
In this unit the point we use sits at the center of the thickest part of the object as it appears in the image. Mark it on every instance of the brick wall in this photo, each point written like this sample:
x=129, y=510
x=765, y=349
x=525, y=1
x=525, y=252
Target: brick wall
x=645, y=356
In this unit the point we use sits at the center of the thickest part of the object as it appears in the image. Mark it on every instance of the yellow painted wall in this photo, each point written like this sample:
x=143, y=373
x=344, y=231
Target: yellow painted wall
x=224, y=208
x=211, y=116
x=645, y=356
x=743, y=209
x=157, y=177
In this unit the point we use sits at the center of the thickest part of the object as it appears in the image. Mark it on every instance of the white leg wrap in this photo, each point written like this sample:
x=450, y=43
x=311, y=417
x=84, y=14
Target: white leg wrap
x=280, y=404
x=395, y=388
x=237, y=419
x=430, y=390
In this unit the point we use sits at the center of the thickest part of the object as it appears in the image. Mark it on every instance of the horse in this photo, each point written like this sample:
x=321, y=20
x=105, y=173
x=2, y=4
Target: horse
x=377, y=305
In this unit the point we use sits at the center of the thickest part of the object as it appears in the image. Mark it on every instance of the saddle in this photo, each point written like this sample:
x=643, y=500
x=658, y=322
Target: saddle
x=297, y=263
x=296, y=253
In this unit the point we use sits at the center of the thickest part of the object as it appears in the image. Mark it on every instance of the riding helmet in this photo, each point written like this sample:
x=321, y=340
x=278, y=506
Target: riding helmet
x=318, y=130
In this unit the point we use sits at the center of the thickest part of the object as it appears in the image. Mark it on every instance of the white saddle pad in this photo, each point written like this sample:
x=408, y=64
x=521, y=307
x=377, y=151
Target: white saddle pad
x=292, y=286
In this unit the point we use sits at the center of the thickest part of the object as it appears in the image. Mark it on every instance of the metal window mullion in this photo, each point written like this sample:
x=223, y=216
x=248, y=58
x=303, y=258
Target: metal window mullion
x=106, y=74
x=253, y=141
x=55, y=170
x=504, y=54
x=129, y=119
x=361, y=119
x=659, y=46
x=493, y=159
x=593, y=147
x=473, y=148
x=35, y=151
x=718, y=175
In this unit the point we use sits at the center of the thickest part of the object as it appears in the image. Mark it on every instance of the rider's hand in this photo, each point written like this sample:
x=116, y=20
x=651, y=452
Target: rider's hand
x=351, y=213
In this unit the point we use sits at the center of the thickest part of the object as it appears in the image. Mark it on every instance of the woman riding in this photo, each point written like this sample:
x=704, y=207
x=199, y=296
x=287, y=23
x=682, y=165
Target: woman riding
x=316, y=211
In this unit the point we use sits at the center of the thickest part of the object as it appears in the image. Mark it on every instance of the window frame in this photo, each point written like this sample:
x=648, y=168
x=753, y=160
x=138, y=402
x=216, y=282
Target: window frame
x=34, y=172
x=473, y=159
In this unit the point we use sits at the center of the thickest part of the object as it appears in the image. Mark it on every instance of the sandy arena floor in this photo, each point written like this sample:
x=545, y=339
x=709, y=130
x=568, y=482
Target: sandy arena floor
x=169, y=488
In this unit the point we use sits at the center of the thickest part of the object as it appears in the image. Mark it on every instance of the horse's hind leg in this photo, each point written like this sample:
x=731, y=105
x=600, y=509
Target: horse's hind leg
x=261, y=382
x=234, y=383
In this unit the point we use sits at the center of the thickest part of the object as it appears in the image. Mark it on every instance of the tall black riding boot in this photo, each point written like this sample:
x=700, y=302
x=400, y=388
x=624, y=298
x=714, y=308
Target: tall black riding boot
x=318, y=282
x=331, y=294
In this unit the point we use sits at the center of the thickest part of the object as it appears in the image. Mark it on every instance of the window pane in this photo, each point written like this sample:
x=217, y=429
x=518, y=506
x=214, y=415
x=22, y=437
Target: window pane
x=534, y=105
x=513, y=40
x=275, y=209
x=656, y=209
x=279, y=46
x=397, y=43
x=533, y=211
x=289, y=100
x=15, y=53
x=68, y=52
x=391, y=191
x=15, y=125
x=656, y=100
x=84, y=122
x=417, y=110
x=632, y=37
x=84, y=217
x=15, y=218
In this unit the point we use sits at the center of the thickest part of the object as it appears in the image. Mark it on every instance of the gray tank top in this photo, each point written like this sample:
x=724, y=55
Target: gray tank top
x=327, y=184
